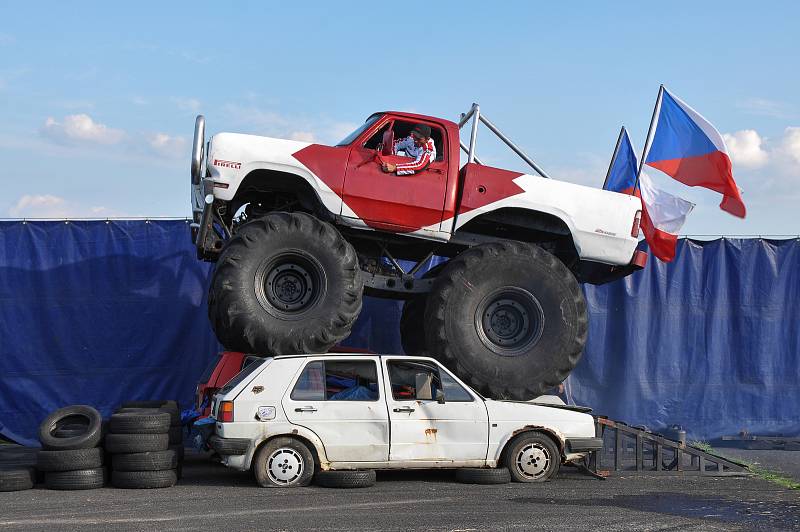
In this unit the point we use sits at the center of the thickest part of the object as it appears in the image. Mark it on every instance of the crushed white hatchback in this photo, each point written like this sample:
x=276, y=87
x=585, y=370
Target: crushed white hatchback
x=287, y=417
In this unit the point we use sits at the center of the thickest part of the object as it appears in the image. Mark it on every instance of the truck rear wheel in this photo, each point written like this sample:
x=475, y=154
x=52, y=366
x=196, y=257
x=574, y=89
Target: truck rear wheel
x=508, y=318
x=286, y=283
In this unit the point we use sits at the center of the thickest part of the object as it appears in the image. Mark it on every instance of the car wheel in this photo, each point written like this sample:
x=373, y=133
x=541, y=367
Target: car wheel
x=283, y=463
x=533, y=457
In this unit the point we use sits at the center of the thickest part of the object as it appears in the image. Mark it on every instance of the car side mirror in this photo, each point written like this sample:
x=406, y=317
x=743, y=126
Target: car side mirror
x=440, y=396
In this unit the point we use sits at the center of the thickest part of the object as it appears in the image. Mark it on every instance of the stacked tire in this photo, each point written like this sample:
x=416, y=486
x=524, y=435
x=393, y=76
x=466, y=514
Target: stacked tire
x=71, y=456
x=145, y=442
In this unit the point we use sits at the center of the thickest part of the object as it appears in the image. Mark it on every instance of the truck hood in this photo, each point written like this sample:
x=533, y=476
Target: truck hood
x=240, y=148
x=568, y=423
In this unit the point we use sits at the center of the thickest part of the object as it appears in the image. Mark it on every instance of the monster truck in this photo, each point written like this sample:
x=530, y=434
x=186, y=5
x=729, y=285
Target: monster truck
x=300, y=231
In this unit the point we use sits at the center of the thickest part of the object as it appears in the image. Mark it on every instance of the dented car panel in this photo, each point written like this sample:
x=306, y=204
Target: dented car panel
x=398, y=417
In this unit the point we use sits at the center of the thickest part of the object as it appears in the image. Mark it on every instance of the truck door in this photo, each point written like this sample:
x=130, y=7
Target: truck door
x=342, y=402
x=388, y=201
x=424, y=429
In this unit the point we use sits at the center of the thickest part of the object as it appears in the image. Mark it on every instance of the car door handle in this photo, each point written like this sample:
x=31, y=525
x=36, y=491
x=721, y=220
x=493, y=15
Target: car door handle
x=305, y=409
x=406, y=409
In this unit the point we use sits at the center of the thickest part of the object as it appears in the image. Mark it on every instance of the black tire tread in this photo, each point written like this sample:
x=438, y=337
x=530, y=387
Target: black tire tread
x=17, y=478
x=231, y=321
x=136, y=443
x=70, y=460
x=446, y=283
x=149, y=461
x=475, y=475
x=140, y=422
x=81, y=479
x=85, y=440
x=164, y=478
x=362, y=478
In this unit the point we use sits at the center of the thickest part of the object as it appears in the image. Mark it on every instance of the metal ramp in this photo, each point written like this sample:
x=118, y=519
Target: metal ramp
x=629, y=450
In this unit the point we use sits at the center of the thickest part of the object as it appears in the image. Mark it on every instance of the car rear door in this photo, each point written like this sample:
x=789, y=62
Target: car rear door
x=423, y=429
x=341, y=400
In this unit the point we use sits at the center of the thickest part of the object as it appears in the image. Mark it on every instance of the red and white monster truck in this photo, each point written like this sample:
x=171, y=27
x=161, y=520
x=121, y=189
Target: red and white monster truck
x=299, y=231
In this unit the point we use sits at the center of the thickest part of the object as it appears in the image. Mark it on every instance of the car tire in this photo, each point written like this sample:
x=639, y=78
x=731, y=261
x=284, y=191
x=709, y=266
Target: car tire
x=283, y=463
x=71, y=415
x=286, y=283
x=175, y=435
x=532, y=457
x=363, y=478
x=17, y=478
x=136, y=443
x=164, y=478
x=520, y=328
x=81, y=479
x=150, y=461
x=70, y=460
x=174, y=415
x=142, y=422
x=475, y=475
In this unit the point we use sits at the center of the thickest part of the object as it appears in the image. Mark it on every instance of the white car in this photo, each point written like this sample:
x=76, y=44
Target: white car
x=289, y=416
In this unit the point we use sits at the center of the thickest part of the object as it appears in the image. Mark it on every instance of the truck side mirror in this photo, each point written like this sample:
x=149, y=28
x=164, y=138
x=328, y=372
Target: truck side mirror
x=440, y=396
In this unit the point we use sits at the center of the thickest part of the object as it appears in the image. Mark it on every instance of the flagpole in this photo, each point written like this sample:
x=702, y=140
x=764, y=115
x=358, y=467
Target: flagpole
x=649, y=138
x=614, y=156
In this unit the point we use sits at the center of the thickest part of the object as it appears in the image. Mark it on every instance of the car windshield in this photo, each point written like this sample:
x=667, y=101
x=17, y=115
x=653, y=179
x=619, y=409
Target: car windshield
x=354, y=135
x=242, y=375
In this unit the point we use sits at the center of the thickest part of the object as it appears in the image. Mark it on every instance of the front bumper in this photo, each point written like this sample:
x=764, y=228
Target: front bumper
x=583, y=445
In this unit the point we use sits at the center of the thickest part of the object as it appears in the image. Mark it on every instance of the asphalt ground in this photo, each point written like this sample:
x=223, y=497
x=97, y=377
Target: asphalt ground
x=212, y=497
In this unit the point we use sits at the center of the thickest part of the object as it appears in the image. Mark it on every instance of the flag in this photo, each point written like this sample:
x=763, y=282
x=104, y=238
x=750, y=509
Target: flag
x=621, y=176
x=663, y=214
x=688, y=148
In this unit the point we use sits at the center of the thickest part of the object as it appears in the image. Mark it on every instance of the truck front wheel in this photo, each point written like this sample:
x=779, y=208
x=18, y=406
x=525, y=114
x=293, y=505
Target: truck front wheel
x=508, y=318
x=285, y=284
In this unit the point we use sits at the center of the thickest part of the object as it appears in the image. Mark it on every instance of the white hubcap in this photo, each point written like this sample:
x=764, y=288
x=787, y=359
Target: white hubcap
x=285, y=466
x=533, y=460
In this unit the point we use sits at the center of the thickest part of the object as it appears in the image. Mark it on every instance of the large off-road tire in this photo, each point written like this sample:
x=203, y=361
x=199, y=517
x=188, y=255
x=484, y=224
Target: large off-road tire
x=286, y=283
x=508, y=318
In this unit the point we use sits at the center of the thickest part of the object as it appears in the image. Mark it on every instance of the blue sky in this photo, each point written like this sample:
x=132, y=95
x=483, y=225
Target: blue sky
x=97, y=99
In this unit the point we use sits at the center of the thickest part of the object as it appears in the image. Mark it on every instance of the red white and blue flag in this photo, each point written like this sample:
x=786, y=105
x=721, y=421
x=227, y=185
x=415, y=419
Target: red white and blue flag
x=663, y=214
x=621, y=175
x=688, y=148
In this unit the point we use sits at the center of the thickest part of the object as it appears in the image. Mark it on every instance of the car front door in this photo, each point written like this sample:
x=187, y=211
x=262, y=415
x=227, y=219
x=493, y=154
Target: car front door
x=341, y=400
x=426, y=429
x=388, y=201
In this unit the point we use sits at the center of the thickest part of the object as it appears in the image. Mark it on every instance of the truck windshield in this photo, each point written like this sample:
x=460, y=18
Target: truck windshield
x=354, y=135
x=242, y=375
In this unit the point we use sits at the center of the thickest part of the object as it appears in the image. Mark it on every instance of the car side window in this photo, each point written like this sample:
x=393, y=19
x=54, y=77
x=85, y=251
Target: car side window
x=419, y=381
x=337, y=380
x=311, y=384
x=453, y=391
x=351, y=380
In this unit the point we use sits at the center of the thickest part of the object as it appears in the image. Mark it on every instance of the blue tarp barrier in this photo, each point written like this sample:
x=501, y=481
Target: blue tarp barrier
x=104, y=312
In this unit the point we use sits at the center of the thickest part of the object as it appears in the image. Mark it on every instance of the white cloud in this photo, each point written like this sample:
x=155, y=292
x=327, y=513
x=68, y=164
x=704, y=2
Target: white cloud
x=304, y=136
x=746, y=148
x=49, y=206
x=187, y=104
x=273, y=124
x=766, y=107
x=80, y=128
x=166, y=145
x=789, y=147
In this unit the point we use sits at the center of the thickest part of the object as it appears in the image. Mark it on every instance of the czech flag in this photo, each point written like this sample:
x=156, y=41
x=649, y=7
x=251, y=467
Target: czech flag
x=663, y=214
x=688, y=148
x=621, y=175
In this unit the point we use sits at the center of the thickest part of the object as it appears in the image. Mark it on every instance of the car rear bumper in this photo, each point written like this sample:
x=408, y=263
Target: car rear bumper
x=229, y=446
x=583, y=445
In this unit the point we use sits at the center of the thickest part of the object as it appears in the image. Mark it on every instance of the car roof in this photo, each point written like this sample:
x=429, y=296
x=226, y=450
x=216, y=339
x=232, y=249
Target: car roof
x=353, y=354
x=418, y=117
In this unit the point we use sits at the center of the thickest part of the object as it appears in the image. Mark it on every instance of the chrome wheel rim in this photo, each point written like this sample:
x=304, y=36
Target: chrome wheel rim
x=533, y=461
x=285, y=466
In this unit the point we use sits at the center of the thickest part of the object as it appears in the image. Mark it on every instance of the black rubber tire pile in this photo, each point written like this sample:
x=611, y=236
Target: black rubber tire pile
x=146, y=444
x=71, y=456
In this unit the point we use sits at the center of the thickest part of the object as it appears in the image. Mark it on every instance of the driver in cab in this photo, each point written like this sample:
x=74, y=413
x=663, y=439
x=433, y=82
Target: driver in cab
x=419, y=146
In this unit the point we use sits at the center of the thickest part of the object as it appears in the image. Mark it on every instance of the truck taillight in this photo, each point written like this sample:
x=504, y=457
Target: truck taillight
x=225, y=412
x=637, y=220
